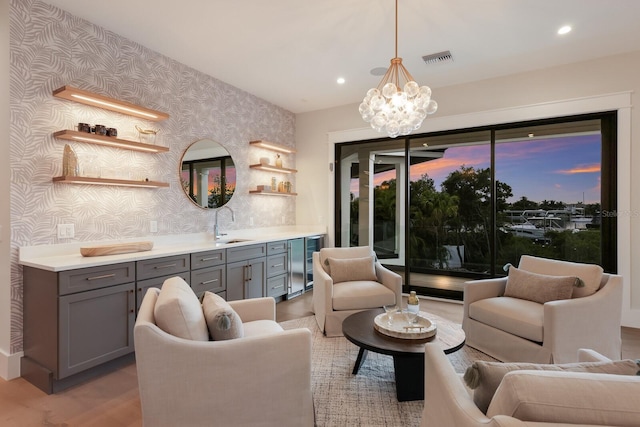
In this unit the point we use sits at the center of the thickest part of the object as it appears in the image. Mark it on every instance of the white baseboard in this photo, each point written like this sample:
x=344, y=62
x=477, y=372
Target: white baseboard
x=10, y=365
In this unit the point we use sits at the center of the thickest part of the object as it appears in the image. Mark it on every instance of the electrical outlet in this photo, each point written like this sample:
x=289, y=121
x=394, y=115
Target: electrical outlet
x=66, y=231
x=153, y=226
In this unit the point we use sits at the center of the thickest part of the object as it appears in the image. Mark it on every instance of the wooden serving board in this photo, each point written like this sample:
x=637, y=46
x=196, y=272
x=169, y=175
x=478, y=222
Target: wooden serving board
x=119, y=248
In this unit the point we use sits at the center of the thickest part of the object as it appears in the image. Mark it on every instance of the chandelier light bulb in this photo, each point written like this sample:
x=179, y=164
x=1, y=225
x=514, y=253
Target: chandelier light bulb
x=398, y=105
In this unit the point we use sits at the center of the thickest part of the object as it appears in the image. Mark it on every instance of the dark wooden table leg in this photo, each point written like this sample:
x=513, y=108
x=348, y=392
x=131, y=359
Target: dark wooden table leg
x=409, y=372
x=362, y=354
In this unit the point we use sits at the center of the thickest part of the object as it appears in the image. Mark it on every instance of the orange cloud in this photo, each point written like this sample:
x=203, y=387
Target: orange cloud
x=581, y=169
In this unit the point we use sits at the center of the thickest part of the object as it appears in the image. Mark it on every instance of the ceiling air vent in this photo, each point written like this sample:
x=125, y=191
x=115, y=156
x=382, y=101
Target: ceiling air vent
x=436, y=58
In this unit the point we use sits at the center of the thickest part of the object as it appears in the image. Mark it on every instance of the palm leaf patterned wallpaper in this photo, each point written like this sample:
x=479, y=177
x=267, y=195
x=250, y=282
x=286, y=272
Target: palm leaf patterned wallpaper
x=50, y=48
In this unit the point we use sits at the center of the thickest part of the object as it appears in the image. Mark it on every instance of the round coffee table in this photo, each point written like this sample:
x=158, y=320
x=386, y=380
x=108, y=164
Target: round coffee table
x=408, y=355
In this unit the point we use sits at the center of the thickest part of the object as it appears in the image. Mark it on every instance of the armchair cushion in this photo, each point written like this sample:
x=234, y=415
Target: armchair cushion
x=178, y=311
x=590, y=274
x=568, y=397
x=539, y=288
x=360, y=295
x=350, y=269
x=485, y=377
x=519, y=317
x=222, y=320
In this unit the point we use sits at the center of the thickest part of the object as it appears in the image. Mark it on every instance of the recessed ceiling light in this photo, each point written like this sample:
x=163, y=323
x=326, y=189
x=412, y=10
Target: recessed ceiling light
x=341, y=80
x=564, y=30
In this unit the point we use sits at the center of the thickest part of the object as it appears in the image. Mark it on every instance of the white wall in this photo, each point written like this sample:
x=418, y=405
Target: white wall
x=471, y=104
x=5, y=231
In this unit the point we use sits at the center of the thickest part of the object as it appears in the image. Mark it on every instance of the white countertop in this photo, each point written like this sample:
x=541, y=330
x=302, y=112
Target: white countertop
x=66, y=256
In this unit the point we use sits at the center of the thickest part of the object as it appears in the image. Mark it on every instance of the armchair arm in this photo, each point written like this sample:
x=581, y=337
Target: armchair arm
x=564, y=323
x=322, y=291
x=255, y=309
x=272, y=372
x=475, y=290
x=391, y=280
x=446, y=400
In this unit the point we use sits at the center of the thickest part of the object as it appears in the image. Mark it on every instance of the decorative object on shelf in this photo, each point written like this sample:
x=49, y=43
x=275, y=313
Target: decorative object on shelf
x=69, y=162
x=273, y=183
x=109, y=141
x=391, y=109
x=272, y=146
x=264, y=161
x=278, y=161
x=100, y=130
x=84, y=127
x=88, y=98
x=112, y=132
x=264, y=188
x=90, y=167
x=147, y=136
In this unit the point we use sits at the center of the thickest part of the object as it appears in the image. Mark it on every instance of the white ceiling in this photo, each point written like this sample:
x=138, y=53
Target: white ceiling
x=290, y=52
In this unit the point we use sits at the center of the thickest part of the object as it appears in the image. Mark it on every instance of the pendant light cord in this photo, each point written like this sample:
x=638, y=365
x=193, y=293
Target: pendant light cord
x=396, y=28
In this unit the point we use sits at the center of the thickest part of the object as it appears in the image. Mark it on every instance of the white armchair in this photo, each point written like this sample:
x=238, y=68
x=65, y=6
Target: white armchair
x=263, y=378
x=530, y=398
x=349, y=280
x=519, y=330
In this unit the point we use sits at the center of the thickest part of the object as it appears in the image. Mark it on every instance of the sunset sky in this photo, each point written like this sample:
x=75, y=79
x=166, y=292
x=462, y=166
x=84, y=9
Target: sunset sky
x=564, y=169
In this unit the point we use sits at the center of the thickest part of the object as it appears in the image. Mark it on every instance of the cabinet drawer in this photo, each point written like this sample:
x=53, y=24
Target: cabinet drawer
x=162, y=266
x=242, y=253
x=277, y=286
x=210, y=279
x=276, y=247
x=156, y=282
x=207, y=259
x=277, y=264
x=85, y=279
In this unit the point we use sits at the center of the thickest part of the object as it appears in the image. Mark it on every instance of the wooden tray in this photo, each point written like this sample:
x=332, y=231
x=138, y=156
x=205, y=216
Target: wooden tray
x=119, y=248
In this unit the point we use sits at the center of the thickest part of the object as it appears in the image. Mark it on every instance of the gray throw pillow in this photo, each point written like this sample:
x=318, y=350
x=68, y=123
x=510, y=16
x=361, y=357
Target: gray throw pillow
x=540, y=288
x=222, y=320
x=350, y=269
x=485, y=377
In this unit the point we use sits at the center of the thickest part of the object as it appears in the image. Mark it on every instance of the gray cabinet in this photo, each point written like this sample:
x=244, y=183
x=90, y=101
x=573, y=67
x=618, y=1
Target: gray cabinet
x=277, y=269
x=76, y=320
x=246, y=272
x=151, y=273
x=208, y=272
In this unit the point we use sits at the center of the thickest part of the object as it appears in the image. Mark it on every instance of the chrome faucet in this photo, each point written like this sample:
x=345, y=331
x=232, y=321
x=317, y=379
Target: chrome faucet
x=216, y=230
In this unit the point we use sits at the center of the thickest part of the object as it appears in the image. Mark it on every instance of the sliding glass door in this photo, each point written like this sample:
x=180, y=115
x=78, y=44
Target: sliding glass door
x=446, y=207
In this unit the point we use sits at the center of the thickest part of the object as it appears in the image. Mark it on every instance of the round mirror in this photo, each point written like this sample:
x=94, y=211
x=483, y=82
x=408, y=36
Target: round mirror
x=207, y=174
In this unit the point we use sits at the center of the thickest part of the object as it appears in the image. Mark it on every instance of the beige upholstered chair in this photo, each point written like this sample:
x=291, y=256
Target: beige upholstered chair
x=348, y=280
x=550, y=398
x=519, y=330
x=263, y=378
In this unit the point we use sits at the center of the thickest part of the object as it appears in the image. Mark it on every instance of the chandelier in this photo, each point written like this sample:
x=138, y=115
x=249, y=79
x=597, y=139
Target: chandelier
x=398, y=105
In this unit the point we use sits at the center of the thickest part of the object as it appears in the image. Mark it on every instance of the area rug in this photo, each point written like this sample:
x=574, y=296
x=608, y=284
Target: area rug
x=368, y=398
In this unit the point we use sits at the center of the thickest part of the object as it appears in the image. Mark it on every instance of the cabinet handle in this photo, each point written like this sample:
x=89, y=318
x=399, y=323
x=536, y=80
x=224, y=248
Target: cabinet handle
x=105, y=276
x=164, y=266
x=277, y=265
x=209, y=259
x=277, y=287
x=206, y=282
x=250, y=267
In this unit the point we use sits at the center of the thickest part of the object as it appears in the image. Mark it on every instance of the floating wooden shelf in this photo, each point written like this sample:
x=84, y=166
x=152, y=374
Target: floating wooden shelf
x=272, y=193
x=272, y=146
x=109, y=141
x=108, y=181
x=88, y=98
x=270, y=168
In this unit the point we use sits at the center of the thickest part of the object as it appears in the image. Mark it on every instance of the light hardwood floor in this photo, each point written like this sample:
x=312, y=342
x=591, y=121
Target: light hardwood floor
x=112, y=400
